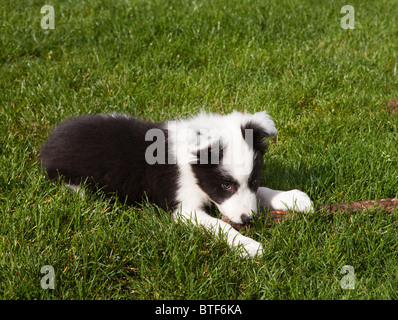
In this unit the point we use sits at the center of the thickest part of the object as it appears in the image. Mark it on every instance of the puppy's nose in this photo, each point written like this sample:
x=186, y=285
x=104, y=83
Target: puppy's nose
x=245, y=218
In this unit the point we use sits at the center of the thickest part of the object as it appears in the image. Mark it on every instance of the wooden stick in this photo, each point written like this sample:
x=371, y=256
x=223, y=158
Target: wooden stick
x=389, y=205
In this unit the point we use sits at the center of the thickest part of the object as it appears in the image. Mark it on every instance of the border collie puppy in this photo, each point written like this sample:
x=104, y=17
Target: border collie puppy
x=183, y=165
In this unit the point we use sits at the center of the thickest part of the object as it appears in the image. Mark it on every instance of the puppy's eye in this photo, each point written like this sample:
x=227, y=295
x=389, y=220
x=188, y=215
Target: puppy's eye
x=227, y=186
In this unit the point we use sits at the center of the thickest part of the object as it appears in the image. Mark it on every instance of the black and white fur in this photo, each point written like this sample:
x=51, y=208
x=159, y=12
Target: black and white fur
x=181, y=165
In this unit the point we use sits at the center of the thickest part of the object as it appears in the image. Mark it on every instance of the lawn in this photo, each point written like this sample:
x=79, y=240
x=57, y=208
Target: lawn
x=326, y=87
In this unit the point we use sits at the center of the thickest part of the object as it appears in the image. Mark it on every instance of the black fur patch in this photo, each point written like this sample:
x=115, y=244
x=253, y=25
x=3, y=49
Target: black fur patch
x=109, y=152
x=255, y=175
x=258, y=133
x=210, y=178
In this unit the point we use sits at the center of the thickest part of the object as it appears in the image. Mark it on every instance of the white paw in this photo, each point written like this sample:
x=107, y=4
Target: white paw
x=293, y=200
x=254, y=249
x=250, y=248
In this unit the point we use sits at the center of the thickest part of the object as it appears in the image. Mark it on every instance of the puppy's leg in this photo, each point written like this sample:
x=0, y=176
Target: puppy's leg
x=284, y=200
x=220, y=228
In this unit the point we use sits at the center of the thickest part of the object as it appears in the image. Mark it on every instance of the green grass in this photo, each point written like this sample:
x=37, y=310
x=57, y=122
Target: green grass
x=327, y=89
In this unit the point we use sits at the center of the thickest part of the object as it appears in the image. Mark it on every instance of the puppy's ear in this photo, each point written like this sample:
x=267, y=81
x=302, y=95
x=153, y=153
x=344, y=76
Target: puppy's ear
x=259, y=127
x=264, y=121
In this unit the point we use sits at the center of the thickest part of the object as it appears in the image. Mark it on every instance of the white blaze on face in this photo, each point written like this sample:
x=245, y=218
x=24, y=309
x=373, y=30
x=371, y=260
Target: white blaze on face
x=243, y=202
x=238, y=162
x=238, y=156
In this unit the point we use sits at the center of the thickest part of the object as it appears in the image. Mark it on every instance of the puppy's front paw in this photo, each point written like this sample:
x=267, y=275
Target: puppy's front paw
x=293, y=200
x=254, y=249
x=251, y=248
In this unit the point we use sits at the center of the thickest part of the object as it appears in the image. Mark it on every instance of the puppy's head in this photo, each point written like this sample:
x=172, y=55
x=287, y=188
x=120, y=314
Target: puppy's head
x=228, y=167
